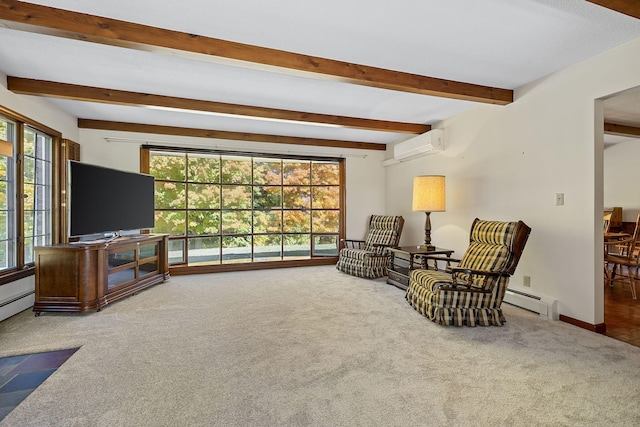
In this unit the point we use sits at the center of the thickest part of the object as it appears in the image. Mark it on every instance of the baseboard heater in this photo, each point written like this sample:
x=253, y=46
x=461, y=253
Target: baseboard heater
x=544, y=306
x=15, y=304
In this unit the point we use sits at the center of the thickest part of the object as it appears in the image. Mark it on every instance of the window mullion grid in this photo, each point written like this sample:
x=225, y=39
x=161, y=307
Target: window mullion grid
x=252, y=186
x=16, y=191
x=221, y=202
x=253, y=211
x=281, y=210
x=11, y=199
x=311, y=199
x=19, y=194
x=187, y=241
x=42, y=181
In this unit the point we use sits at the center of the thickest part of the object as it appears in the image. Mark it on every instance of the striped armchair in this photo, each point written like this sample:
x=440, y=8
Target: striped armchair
x=471, y=293
x=369, y=258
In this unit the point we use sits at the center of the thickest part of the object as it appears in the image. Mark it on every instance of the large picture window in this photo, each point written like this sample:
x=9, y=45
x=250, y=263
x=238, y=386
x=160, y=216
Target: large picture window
x=221, y=208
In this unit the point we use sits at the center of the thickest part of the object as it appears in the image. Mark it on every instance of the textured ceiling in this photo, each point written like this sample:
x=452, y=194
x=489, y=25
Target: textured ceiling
x=497, y=43
x=624, y=108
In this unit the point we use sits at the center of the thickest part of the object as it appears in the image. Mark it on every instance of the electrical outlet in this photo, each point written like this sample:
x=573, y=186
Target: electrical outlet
x=526, y=281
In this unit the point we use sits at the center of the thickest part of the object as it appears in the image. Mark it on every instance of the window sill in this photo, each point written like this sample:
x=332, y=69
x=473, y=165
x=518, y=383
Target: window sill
x=13, y=275
x=220, y=268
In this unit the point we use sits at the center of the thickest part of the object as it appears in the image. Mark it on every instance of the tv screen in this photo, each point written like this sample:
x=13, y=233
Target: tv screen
x=103, y=200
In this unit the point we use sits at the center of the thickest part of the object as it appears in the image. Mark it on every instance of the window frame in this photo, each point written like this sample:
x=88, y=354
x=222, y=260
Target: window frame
x=185, y=268
x=23, y=269
x=42, y=165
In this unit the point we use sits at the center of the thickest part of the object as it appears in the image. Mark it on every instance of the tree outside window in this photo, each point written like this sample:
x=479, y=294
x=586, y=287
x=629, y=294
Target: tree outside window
x=226, y=209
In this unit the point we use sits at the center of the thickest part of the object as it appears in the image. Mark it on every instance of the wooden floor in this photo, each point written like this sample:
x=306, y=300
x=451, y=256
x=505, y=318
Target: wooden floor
x=622, y=313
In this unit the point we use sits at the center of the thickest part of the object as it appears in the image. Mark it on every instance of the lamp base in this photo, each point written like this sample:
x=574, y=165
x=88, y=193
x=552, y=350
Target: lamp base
x=427, y=247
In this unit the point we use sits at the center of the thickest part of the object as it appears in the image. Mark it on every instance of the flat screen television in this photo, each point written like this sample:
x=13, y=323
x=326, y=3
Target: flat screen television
x=103, y=200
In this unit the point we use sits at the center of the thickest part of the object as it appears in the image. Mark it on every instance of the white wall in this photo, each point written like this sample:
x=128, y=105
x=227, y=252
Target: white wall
x=622, y=178
x=508, y=162
x=44, y=112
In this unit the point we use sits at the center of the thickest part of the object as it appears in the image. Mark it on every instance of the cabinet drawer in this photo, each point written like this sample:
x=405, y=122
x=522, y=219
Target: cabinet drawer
x=398, y=278
x=400, y=270
x=399, y=255
x=402, y=263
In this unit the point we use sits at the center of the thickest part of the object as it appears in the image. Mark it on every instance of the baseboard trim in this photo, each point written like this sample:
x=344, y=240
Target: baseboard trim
x=599, y=328
x=263, y=265
x=16, y=298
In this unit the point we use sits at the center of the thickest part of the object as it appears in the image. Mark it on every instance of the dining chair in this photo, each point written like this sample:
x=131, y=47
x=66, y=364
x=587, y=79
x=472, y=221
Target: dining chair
x=607, y=222
x=626, y=259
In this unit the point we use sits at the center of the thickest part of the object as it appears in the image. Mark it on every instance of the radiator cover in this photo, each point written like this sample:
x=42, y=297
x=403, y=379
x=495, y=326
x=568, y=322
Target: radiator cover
x=544, y=306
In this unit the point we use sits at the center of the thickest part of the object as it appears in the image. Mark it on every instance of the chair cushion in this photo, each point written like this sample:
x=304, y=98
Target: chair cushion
x=455, y=306
x=493, y=232
x=489, y=249
x=361, y=263
x=383, y=230
x=359, y=254
x=430, y=279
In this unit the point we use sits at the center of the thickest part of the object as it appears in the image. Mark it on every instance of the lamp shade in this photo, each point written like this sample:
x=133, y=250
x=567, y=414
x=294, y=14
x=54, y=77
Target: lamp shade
x=429, y=193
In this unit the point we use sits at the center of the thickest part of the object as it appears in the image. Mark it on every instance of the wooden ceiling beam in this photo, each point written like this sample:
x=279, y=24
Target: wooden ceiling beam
x=119, y=97
x=627, y=7
x=219, y=134
x=47, y=20
x=621, y=130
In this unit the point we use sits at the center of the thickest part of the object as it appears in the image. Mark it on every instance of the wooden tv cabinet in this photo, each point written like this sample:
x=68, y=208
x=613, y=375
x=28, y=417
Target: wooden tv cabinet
x=78, y=277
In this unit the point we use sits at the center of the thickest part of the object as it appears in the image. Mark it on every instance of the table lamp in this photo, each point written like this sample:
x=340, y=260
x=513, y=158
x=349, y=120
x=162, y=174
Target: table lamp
x=429, y=196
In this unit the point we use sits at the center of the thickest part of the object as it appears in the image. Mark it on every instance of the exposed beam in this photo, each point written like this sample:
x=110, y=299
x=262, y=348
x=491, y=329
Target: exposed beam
x=621, y=130
x=219, y=134
x=121, y=97
x=34, y=18
x=627, y=7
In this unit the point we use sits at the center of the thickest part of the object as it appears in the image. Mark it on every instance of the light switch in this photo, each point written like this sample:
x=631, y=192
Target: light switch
x=559, y=199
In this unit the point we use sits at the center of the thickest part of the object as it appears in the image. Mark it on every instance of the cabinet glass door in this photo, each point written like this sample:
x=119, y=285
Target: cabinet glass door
x=148, y=260
x=121, y=268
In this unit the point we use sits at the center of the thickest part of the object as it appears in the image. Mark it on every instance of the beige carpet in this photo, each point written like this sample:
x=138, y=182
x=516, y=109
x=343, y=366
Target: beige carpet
x=315, y=347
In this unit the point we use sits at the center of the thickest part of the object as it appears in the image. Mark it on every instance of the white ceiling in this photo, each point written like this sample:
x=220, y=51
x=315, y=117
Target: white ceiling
x=624, y=108
x=499, y=43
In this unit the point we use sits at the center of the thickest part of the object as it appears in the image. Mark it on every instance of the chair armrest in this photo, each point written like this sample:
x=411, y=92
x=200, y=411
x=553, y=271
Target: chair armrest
x=425, y=258
x=487, y=284
x=471, y=271
x=622, y=243
x=466, y=289
x=383, y=245
x=437, y=257
x=352, y=243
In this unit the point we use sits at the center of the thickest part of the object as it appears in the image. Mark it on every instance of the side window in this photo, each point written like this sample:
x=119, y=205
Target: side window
x=7, y=195
x=37, y=164
x=26, y=193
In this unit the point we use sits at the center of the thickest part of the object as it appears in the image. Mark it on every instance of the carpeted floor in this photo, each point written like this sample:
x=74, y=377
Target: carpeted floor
x=314, y=347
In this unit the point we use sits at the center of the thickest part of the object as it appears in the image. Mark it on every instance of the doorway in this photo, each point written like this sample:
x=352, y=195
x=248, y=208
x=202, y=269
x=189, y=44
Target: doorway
x=621, y=176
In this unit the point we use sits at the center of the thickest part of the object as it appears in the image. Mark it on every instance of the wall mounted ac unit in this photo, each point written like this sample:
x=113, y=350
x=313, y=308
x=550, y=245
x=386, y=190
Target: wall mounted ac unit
x=428, y=142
